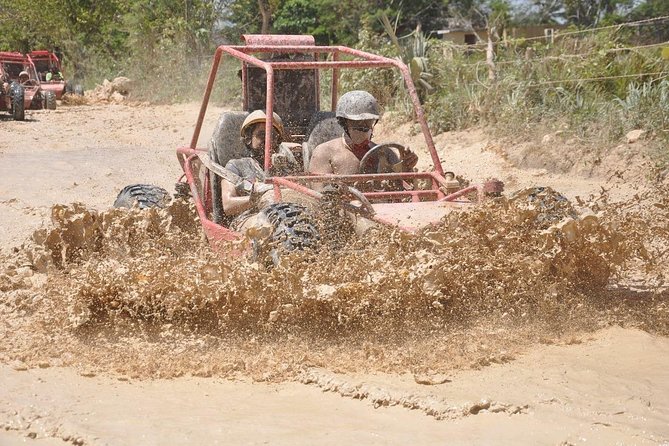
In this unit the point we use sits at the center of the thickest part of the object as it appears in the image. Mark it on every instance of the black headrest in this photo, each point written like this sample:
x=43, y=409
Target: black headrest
x=225, y=143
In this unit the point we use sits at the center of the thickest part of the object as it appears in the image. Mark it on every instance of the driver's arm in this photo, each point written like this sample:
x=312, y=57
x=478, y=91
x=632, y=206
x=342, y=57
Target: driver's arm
x=410, y=160
x=233, y=204
x=405, y=163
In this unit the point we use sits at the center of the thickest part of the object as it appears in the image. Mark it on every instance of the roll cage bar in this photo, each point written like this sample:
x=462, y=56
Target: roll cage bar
x=284, y=44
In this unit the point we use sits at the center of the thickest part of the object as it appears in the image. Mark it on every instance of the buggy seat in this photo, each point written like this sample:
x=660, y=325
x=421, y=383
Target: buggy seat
x=225, y=144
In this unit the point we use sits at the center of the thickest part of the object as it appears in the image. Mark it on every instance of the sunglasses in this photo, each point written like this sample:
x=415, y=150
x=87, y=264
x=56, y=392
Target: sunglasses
x=362, y=129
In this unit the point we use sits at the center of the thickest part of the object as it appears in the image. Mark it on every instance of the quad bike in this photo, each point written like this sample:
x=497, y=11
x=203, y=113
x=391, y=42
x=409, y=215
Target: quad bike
x=281, y=73
x=34, y=97
x=44, y=61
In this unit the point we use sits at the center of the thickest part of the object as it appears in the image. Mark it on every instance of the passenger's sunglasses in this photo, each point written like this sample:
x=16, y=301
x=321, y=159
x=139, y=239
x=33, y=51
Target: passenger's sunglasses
x=362, y=129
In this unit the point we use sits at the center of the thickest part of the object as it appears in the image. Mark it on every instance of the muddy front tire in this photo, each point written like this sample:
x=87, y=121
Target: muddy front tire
x=143, y=196
x=293, y=229
x=49, y=100
x=18, y=105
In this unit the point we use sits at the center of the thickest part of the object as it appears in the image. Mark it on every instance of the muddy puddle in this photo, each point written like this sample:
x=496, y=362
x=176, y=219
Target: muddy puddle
x=139, y=294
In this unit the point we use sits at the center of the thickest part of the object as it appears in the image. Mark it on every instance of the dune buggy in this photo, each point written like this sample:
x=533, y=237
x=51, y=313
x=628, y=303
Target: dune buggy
x=282, y=73
x=12, y=64
x=47, y=61
x=12, y=93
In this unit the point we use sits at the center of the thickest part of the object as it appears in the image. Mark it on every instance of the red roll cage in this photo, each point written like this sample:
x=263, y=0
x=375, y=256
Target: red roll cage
x=332, y=58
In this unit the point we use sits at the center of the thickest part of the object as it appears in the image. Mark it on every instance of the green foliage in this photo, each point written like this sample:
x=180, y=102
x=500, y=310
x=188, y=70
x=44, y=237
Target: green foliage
x=300, y=16
x=326, y=20
x=168, y=54
x=332, y=21
x=413, y=52
x=650, y=9
x=84, y=29
x=541, y=12
x=162, y=44
x=239, y=17
x=166, y=47
x=592, y=87
x=383, y=84
x=592, y=12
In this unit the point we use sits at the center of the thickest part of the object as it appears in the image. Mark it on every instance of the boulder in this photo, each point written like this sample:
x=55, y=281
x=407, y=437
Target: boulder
x=635, y=135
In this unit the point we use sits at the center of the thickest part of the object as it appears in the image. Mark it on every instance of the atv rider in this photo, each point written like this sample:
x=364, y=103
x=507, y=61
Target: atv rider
x=357, y=113
x=54, y=74
x=240, y=199
x=24, y=77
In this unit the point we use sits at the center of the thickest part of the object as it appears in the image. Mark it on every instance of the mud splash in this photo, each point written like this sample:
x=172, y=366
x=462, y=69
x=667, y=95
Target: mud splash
x=140, y=294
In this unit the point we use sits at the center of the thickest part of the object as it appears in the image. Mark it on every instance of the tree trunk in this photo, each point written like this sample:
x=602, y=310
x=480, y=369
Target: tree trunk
x=490, y=55
x=263, y=5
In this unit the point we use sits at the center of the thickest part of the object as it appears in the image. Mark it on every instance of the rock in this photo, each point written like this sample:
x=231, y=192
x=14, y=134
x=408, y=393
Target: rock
x=19, y=366
x=431, y=380
x=478, y=407
x=122, y=85
x=635, y=135
x=116, y=97
x=552, y=137
x=114, y=91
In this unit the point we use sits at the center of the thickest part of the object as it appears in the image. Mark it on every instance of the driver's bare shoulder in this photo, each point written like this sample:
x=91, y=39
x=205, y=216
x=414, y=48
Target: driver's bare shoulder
x=324, y=150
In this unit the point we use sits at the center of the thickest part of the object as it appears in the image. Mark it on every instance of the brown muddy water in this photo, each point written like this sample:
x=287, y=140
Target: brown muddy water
x=140, y=294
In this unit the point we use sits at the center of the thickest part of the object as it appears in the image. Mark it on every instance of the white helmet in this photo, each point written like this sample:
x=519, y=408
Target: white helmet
x=358, y=105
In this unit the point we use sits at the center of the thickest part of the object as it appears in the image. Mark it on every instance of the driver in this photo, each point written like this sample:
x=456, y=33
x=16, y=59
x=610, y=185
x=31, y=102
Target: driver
x=357, y=113
x=23, y=77
x=240, y=198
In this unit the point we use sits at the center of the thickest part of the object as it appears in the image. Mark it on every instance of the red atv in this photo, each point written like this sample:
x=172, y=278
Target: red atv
x=19, y=79
x=281, y=73
x=50, y=71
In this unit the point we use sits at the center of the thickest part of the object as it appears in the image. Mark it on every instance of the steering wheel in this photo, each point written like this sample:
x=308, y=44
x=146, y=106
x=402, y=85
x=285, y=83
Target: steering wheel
x=342, y=190
x=384, y=157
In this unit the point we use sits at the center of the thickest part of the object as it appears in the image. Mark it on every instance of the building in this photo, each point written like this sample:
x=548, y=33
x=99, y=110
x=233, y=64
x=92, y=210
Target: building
x=462, y=34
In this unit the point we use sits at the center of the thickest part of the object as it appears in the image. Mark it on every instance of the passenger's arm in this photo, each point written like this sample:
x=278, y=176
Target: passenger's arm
x=233, y=204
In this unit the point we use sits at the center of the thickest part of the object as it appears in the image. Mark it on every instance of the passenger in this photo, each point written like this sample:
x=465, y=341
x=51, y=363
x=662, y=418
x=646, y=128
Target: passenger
x=54, y=74
x=357, y=113
x=243, y=196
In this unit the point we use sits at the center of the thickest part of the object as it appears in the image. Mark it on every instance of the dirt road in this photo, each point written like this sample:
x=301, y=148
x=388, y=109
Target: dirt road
x=579, y=386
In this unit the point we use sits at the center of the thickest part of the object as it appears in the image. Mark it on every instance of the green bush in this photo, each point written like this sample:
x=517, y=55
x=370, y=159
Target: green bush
x=594, y=86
